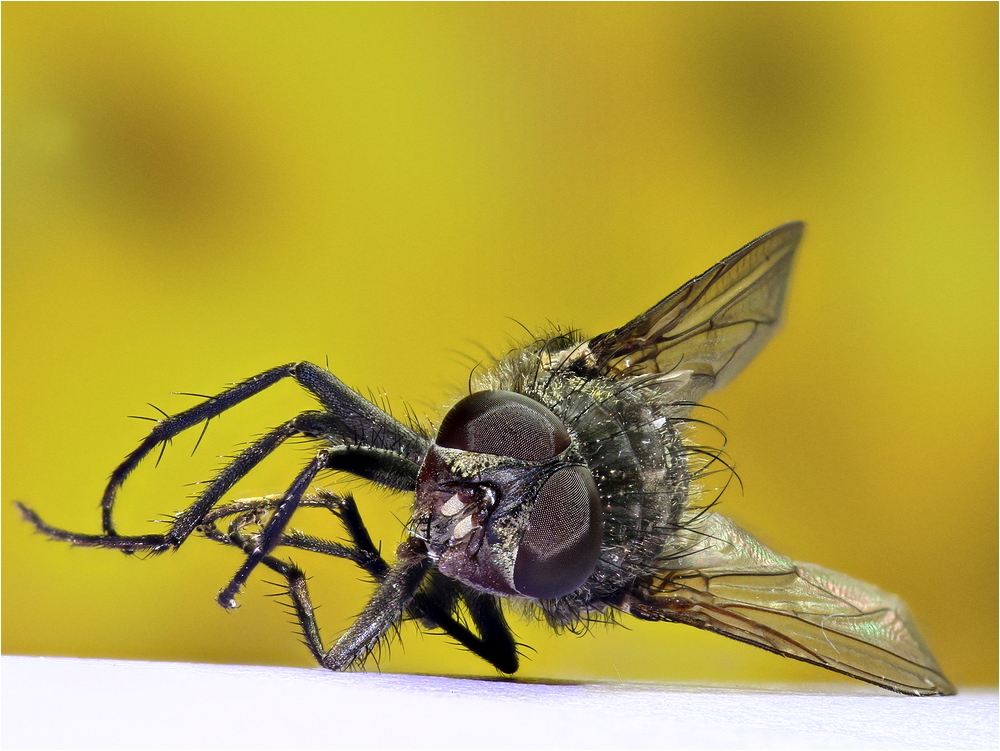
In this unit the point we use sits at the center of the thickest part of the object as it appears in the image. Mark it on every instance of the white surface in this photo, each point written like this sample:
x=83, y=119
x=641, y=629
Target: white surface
x=55, y=703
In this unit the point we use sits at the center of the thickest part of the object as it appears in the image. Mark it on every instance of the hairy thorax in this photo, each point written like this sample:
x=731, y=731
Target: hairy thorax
x=627, y=434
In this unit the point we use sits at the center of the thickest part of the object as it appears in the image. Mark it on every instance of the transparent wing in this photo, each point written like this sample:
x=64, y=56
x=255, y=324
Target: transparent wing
x=712, y=326
x=731, y=584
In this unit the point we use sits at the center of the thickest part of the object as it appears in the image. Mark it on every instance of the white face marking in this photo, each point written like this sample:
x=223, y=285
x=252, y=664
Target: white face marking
x=463, y=528
x=452, y=506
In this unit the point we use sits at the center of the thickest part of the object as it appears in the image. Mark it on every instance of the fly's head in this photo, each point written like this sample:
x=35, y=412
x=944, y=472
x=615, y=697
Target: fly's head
x=503, y=503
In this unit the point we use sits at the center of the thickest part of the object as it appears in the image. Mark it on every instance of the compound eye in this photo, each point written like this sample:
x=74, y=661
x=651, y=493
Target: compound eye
x=504, y=423
x=562, y=541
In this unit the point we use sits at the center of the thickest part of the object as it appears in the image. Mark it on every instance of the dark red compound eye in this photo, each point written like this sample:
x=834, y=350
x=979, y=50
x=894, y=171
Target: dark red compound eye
x=562, y=540
x=504, y=423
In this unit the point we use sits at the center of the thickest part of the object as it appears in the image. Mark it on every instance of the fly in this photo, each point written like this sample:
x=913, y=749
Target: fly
x=565, y=481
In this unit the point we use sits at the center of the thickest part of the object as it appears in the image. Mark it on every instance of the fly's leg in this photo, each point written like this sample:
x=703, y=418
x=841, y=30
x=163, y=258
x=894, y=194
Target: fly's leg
x=176, y=424
x=362, y=550
x=352, y=416
x=252, y=511
x=296, y=581
x=186, y=521
x=384, y=610
x=373, y=445
x=496, y=642
x=434, y=604
x=273, y=530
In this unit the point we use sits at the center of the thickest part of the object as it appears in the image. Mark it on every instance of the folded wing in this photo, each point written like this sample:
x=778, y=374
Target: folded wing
x=729, y=583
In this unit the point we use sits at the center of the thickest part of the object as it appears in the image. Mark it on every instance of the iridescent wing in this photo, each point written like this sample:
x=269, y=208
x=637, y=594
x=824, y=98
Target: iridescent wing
x=712, y=326
x=727, y=582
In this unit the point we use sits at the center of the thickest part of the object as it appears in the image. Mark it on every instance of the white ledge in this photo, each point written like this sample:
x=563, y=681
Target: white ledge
x=52, y=703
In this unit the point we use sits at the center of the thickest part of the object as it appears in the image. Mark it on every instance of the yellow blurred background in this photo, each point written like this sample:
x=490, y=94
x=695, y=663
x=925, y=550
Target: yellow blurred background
x=196, y=192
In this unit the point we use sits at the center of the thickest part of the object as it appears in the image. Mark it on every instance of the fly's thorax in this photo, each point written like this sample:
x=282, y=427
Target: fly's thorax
x=625, y=430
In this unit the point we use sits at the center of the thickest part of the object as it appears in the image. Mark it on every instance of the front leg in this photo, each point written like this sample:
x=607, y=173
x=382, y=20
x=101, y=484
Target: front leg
x=434, y=604
x=385, y=609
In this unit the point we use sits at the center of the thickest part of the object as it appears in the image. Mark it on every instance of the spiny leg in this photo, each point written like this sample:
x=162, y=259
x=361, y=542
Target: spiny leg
x=384, y=610
x=496, y=642
x=350, y=416
x=434, y=604
x=176, y=424
x=249, y=511
x=381, y=448
x=185, y=522
x=127, y=544
x=272, y=532
x=296, y=582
